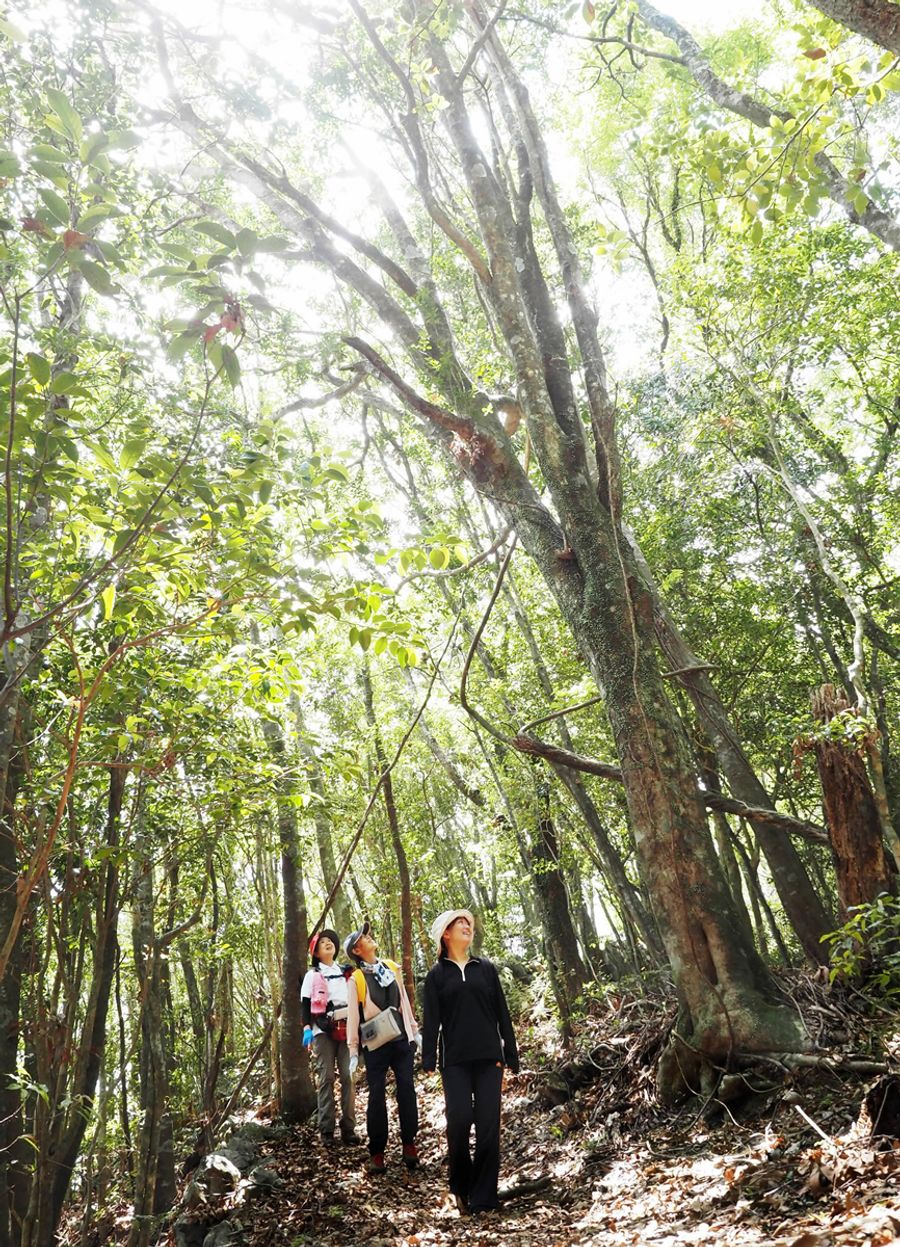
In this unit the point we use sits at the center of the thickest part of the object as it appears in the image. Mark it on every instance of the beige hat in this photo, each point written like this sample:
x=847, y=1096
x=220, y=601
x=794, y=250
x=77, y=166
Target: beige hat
x=442, y=922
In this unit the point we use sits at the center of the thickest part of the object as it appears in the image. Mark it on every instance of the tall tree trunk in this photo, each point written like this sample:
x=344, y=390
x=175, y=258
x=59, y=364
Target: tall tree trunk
x=862, y=866
x=153, y=1062
x=265, y=881
x=567, y=969
x=343, y=918
x=390, y=805
x=710, y=776
x=802, y=904
x=298, y=1096
x=70, y=1126
x=628, y=896
x=890, y=763
x=17, y=1154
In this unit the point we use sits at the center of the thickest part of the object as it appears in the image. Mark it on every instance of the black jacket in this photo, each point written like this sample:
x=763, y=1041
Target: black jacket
x=468, y=1010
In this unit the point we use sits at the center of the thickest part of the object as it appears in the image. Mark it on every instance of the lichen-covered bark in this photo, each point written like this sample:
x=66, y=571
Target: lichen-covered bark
x=861, y=864
x=878, y=20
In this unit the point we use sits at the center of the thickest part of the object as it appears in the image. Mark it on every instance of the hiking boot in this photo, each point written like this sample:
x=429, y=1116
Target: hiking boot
x=351, y=1140
x=410, y=1155
x=376, y=1163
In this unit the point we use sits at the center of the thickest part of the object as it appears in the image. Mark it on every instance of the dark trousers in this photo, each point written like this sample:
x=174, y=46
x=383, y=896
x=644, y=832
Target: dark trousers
x=472, y=1096
x=398, y=1056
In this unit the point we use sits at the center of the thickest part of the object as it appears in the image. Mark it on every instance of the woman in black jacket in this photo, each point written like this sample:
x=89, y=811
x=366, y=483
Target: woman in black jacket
x=469, y=1036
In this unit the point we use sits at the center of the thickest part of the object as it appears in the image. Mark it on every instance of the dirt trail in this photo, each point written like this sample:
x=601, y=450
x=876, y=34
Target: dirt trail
x=676, y=1183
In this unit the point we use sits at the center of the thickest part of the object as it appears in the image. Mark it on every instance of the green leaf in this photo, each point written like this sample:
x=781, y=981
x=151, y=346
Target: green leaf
x=180, y=346
x=214, y=354
x=9, y=164
x=53, y=123
x=123, y=139
x=439, y=557
x=53, y=173
x=212, y=229
x=68, y=448
x=97, y=277
x=57, y=206
x=122, y=539
x=860, y=202
x=46, y=152
x=103, y=456
x=63, y=383
x=96, y=212
x=92, y=146
x=246, y=241
x=38, y=367
x=70, y=119
x=108, y=597
x=232, y=366
x=131, y=452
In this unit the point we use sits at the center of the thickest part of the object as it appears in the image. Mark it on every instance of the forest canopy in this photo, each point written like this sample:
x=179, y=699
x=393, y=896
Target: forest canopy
x=450, y=458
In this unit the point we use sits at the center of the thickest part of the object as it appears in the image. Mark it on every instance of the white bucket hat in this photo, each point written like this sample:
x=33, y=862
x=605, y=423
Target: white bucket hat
x=442, y=922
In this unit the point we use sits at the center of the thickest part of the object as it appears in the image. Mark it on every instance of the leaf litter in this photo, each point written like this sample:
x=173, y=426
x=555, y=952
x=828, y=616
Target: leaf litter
x=607, y=1167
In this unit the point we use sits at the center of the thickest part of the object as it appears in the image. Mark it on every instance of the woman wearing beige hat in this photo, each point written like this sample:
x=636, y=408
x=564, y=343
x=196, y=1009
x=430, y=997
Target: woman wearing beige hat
x=468, y=1035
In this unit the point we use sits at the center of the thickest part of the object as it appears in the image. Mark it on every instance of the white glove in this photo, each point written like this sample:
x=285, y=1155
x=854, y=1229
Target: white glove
x=354, y=1064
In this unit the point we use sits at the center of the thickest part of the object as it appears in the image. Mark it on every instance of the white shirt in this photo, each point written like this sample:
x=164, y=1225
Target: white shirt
x=337, y=987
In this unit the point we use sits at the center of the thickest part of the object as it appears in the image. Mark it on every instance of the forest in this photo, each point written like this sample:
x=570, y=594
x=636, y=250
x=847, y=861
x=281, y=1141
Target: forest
x=450, y=459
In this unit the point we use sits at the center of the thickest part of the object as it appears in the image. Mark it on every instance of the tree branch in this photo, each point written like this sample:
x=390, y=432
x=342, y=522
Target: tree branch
x=843, y=192
x=713, y=801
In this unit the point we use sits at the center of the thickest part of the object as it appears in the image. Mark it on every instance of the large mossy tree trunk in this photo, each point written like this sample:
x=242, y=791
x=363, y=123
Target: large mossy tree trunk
x=863, y=868
x=728, y=1000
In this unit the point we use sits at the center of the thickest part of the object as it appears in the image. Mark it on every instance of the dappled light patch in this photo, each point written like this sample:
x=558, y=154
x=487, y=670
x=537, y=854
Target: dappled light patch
x=608, y=1167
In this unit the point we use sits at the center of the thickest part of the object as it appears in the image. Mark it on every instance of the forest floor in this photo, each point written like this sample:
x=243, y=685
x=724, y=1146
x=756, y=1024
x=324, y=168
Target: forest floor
x=804, y=1172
